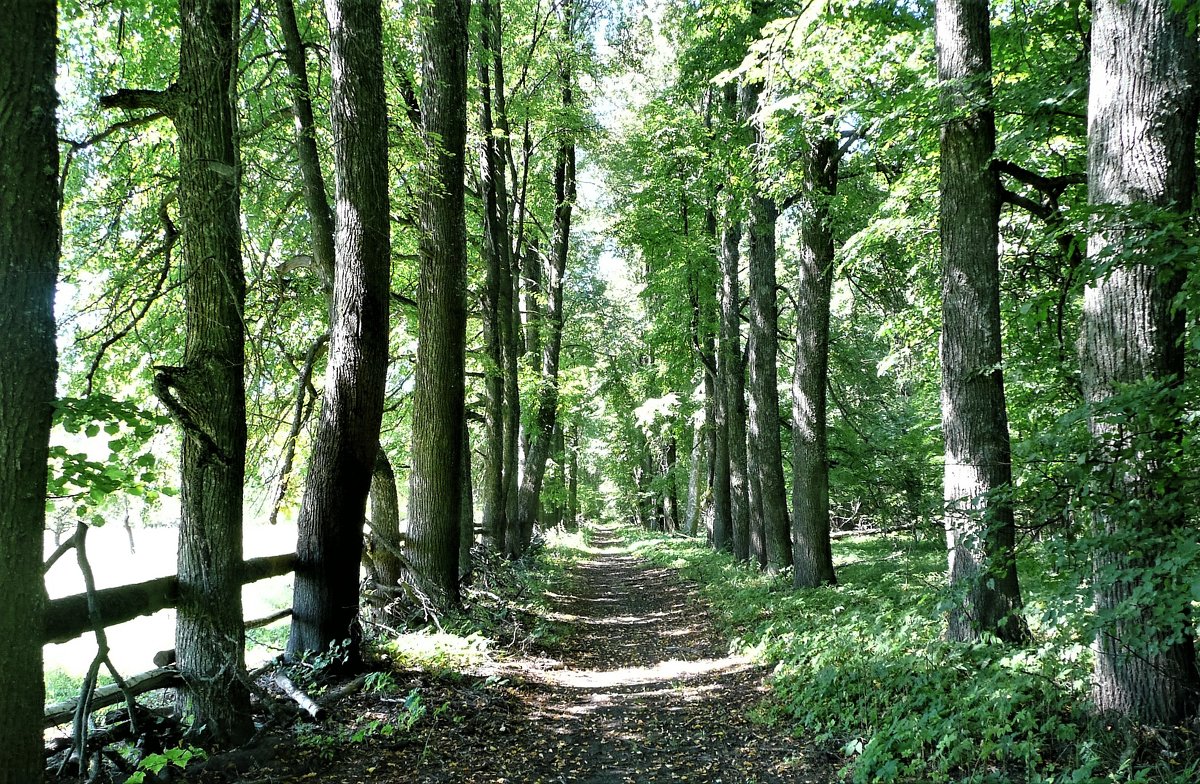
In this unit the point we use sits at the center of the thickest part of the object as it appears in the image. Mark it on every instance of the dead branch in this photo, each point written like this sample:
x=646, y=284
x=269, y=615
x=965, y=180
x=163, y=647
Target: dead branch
x=299, y=697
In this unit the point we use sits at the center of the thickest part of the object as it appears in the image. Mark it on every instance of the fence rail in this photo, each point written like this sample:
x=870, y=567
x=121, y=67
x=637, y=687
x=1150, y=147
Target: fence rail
x=68, y=618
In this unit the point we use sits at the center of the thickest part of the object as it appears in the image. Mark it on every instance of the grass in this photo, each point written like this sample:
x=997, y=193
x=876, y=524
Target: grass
x=504, y=607
x=862, y=670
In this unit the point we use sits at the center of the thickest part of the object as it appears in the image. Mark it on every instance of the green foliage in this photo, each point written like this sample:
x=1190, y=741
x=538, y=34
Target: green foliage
x=327, y=743
x=155, y=764
x=380, y=682
x=863, y=669
x=119, y=430
x=62, y=685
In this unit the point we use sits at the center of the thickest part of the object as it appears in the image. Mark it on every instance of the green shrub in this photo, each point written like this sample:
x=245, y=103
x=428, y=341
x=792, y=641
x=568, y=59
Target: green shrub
x=862, y=670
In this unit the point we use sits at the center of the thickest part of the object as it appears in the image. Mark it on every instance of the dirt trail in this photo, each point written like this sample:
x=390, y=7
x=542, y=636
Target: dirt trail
x=642, y=690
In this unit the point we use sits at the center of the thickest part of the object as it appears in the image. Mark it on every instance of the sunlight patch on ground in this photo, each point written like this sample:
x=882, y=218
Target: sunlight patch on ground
x=663, y=672
x=439, y=650
x=611, y=620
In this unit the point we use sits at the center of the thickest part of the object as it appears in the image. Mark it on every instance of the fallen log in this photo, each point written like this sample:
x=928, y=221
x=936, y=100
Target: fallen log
x=160, y=678
x=67, y=617
x=267, y=620
x=871, y=531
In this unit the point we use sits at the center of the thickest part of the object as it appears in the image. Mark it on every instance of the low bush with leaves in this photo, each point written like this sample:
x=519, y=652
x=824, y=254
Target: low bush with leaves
x=155, y=764
x=862, y=669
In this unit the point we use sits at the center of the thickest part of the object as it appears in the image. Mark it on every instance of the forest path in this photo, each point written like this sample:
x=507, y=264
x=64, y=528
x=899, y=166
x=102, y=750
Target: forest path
x=647, y=691
x=641, y=690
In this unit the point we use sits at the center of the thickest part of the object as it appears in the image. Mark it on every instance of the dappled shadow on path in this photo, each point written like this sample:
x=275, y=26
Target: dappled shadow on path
x=642, y=690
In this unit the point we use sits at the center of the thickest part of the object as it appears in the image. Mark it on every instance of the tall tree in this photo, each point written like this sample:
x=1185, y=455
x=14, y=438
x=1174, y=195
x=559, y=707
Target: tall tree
x=706, y=321
x=499, y=475
x=731, y=384
x=1145, y=91
x=206, y=394
x=551, y=324
x=810, y=377
x=762, y=216
x=979, y=521
x=29, y=250
x=329, y=547
x=208, y=391
x=730, y=365
x=316, y=200
x=435, y=497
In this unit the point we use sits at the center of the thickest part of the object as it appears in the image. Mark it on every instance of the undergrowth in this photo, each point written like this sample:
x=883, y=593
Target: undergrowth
x=504, y=608
x=862, y=670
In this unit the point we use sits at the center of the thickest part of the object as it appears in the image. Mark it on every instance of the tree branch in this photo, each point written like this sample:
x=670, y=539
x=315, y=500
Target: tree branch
x=1035, y=208
x=1049, y=186
x=161, y=101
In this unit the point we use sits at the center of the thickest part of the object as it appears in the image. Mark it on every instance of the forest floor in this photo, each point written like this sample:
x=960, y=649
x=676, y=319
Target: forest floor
x=638, y=688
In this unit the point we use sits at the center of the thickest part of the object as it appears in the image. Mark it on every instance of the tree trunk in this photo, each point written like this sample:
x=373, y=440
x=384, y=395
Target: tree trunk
x=558, y=510
x=573, y=481
x=1141, y=153
x=810, y=379
x=979, y=522
x=758, y=535
x=466, y=526
x=705, y=315
x=435, y=493
x=764, y=378
x=29, y=250
x=695, y=479
x=496, y=319
x=206, y=395
x=346, y=442
x=733, y=383
x=541, y=440
x=385, y=567
x=671, y=499
x=316, y=200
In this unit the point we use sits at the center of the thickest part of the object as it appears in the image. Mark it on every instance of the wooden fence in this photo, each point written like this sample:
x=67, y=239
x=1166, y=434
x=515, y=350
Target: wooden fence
x=68, y=618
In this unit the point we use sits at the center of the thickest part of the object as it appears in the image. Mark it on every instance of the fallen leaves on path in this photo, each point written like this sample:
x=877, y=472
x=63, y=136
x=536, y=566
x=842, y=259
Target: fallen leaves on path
x=641, y=690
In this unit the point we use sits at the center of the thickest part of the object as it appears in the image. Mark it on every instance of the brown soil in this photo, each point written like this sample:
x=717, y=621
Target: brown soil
x=640, y=689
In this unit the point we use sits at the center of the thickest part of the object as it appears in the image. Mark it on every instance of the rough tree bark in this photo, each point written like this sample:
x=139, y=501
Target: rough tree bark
x=810, y=378
x=206, y=394
x=383, y=560
x=979, y=523
x=762, y=216
x=384, y=564
x=346, y=442
x=29, y=249
x=730, y=366
x=732, y=382
x=497, y=309
x=1145, y=79
x=435, y=494
x=508, y=303
x=706, y=312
